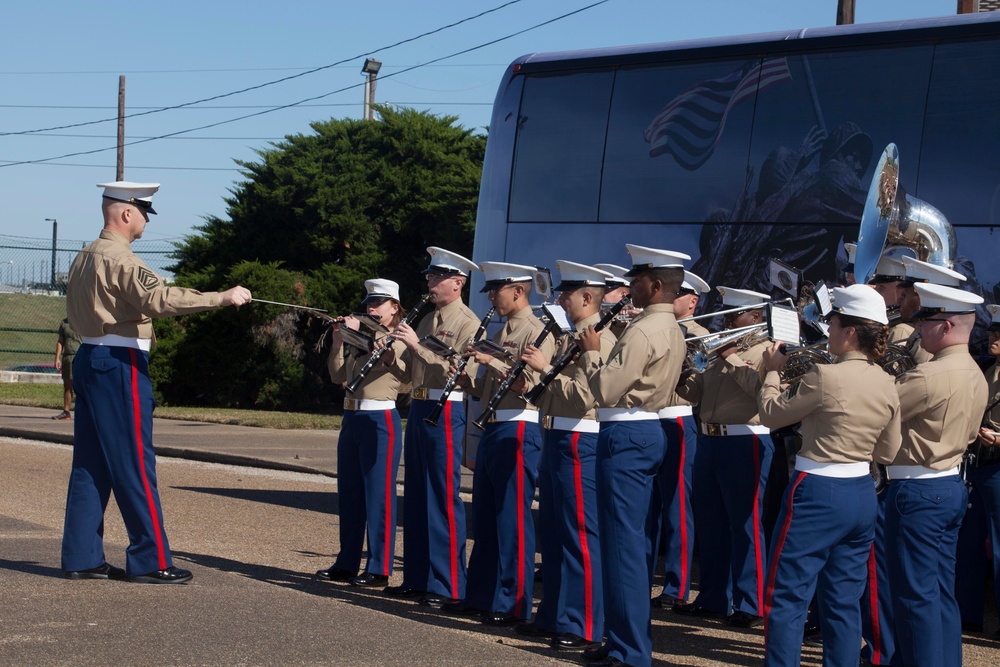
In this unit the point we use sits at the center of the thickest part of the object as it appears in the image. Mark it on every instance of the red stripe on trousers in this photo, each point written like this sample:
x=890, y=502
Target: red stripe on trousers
x=782, y=534
x=137, y=420
x=682, y=502
x=449, y=484
x=757, y=546
x=873, y=607
x=390, y=484
x=519, y=471
x=581, y=527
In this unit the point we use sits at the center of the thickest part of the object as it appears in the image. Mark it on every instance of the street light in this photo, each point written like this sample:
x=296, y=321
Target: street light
x=371, y=68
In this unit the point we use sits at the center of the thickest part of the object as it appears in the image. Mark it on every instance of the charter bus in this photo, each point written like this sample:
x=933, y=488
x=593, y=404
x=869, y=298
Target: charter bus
x=743, y=149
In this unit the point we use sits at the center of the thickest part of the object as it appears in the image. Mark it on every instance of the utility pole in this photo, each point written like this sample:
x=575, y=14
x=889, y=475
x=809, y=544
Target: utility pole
x=55, y=225
x=120, y=170
x=845, y=12
x=968, y=6
x=371, y=68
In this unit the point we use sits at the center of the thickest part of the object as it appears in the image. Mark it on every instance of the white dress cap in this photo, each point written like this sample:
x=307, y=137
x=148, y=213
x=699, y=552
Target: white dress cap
x=617, y=278
x=995, y=317
x=860, y=301
x=644, y=259
x=915, y=271
x=137, y=194
x=381, y=289
x=852, y=251
x=890, y=267
x=574, y=276
x=935, y=299
x=448, y=263
x=743, y=298
x=694, y=283
x=499, y=274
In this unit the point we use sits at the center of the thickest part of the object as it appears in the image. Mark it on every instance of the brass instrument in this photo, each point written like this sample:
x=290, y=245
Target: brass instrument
x=702, y=354
x=897, y=360
x=801, y=360
x=722, y=312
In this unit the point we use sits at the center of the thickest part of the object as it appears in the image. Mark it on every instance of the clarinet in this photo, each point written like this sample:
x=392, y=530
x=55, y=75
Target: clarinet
x=435, y=414
x=512, y=375
x=566, y=357
x=353, y=385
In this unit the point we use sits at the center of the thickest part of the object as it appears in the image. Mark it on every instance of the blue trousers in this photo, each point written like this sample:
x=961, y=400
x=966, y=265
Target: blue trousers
x=876, y=603
x=572, y=590
x=730, y=474
x=821, y=543
x=113, y=451
x=922, y=520
x=981, y=523
x=671, y=517
x=502, y=563
x=367, y=463
x=629, y=454
x=434, y=526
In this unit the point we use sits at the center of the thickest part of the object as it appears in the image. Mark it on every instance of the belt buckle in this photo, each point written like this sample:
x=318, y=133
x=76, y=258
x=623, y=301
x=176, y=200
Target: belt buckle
x=548, y=422
x=352, y=404
x=715, y=429
x=420, y=393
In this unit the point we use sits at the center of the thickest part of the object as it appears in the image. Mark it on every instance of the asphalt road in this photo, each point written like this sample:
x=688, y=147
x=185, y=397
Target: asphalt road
x=253, y=538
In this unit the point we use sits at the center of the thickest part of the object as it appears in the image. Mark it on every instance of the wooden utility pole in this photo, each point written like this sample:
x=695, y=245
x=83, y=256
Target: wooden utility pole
x=120, y=170
x=845, y=12
x=968, y=6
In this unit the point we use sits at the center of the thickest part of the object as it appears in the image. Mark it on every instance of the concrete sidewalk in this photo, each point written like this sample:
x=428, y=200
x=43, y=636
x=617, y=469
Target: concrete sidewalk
x=279, y=449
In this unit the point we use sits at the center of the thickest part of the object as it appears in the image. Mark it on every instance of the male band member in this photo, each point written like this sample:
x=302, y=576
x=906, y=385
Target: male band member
x=889, y=274
x=618, y=287
x=571, y=610
x=671, y=515
x=110, y=297
x=982, y=519
x=731, y=470
x=502, y=563
x=637, y=380
x=916, y=271
x=942, y=403
x=434, y=530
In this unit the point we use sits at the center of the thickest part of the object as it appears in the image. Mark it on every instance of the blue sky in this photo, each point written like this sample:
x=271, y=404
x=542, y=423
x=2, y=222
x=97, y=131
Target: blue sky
x=61, y=62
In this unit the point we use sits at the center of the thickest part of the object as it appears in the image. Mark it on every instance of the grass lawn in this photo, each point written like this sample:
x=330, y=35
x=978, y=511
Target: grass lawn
x=29, y=311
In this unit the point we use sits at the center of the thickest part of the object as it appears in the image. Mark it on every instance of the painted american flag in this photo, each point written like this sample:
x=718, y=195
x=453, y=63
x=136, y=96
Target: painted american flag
x=690, y=126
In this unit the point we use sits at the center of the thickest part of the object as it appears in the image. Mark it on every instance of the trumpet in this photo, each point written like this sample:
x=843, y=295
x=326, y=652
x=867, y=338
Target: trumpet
x=721, y=312
x=702, y=354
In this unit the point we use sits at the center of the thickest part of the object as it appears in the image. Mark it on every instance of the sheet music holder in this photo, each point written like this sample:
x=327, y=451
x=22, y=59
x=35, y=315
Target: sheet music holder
x=783, y=324
x=361, y=340
x=491, y=348
x=438, y=346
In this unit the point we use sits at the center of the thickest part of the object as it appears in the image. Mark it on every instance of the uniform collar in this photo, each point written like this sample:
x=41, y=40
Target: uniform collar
x=111, y=235
x=587, y=321
x=522, y=314
x=853, y=355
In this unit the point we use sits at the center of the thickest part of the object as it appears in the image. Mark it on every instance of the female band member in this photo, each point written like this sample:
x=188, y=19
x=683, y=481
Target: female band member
x=850, y=414
x=368, y=449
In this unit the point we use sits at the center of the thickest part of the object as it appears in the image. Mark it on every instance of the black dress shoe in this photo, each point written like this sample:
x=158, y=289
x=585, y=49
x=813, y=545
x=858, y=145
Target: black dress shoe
x=171, y=575
x=498, y=618
x=402, y=592
x=436, y=601
x=742, y=619
x=694, y=609
x=335, y=574
x=459, y=608
x=567, y=641
x=665, y=602
x=607, y=661
x=103, y=571
x=592, y=655
x=532, y=629
x=812, y=635
x=369, y=579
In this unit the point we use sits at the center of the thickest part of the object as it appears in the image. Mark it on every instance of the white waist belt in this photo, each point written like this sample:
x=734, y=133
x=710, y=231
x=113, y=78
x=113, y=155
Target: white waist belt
x=675, y=412
x=624, y=415
x=114, y=340
x=424, y=394
x=515, y=416
x=844, y=470
x=734, y=429
x=358, y=404
x=571, y=424
x=918, y=472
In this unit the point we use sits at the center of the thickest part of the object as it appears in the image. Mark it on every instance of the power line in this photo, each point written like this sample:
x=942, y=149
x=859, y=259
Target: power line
x=271, y=83
x=130, y=166
x=241, y=106
x=223, y=70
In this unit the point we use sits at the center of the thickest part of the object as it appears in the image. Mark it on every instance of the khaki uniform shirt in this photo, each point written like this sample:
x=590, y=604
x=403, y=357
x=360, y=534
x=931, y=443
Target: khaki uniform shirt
x=111, y=291
x=644, y=365
x=520, y=330
x=690, y=329
x=905, y=335
x=942, y=404
x=454, y=324
x=849, y=410
x=569, y=393
x=379, y=384
x=727, y=390
x=993, y=394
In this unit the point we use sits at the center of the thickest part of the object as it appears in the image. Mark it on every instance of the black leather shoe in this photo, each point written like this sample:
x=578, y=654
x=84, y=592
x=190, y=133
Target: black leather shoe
x=436, y=601
x=532, y=629
x=567, y=641
x=812, y=635
x=592, y=655
x=369, y=579
x=103, y=571
x=459, y=608
x=335, y=574
x=741, y=619
x=696, y=610
x=665, y=602
x=498, y=618
x=607, y=661
x=402, y=592
x=172, y=575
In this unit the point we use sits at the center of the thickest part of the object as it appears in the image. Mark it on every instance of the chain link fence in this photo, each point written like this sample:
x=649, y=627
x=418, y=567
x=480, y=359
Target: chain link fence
x=33, y=275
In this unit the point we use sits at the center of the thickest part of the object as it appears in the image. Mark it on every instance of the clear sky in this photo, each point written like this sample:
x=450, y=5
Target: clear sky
x=61, y=61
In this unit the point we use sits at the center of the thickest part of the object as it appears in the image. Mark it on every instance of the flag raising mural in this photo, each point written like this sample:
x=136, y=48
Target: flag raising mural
x=690, y=126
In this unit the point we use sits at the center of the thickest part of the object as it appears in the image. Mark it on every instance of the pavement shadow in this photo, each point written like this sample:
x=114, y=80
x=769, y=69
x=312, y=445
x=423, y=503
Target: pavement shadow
x=315, y=501
x=30, y=567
